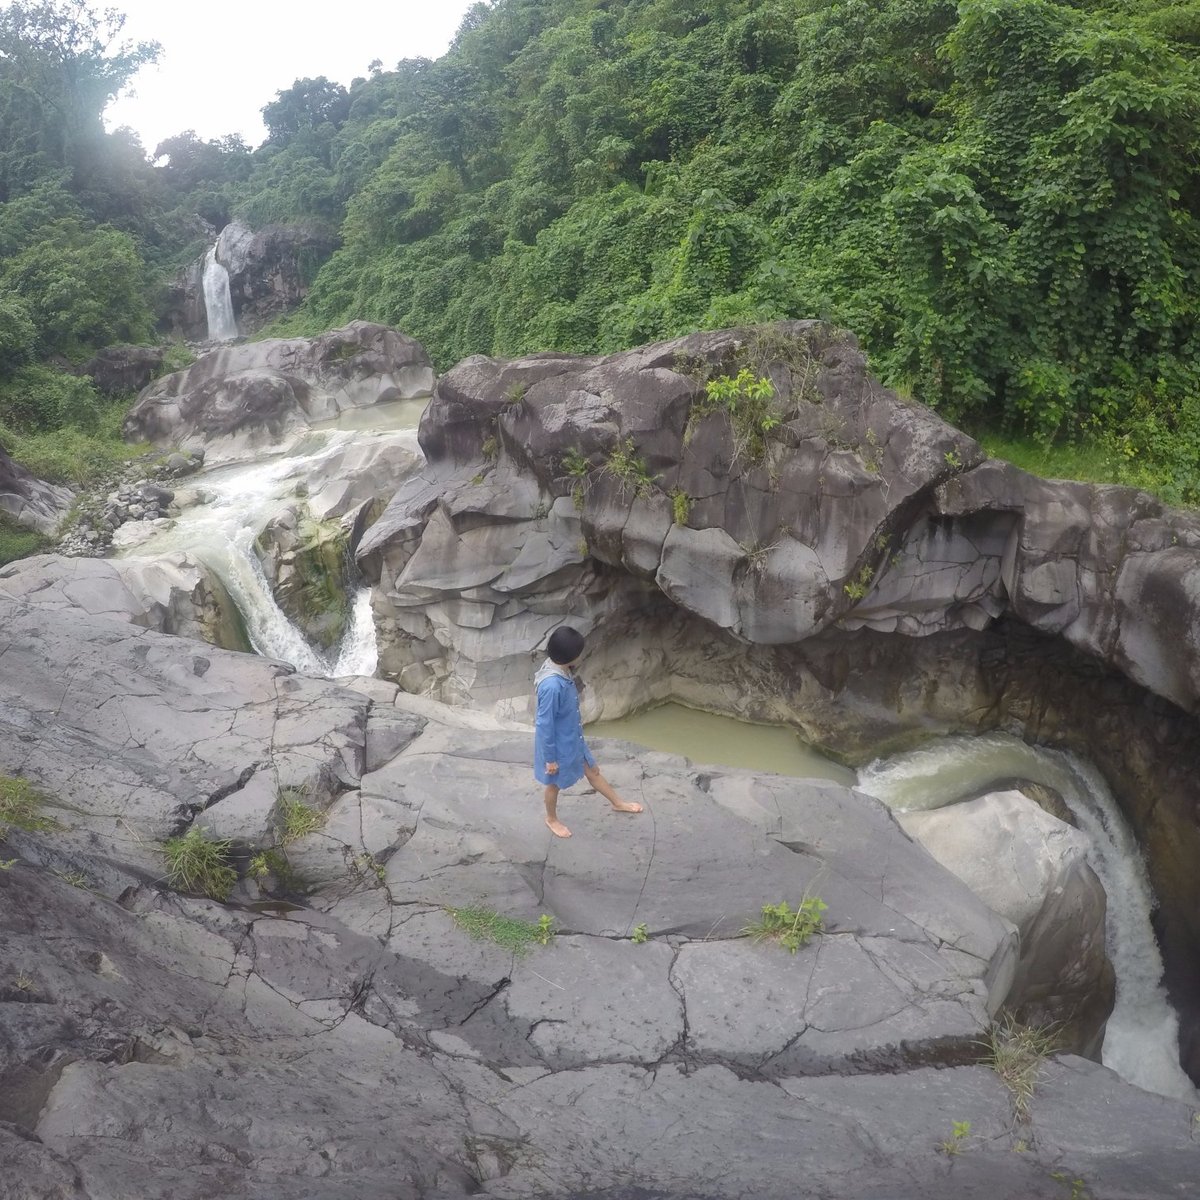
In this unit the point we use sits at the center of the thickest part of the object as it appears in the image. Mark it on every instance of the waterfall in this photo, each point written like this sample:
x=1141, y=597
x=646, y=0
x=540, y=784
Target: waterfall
x=1141, y=1042
x=221, y=532
x=222, y=327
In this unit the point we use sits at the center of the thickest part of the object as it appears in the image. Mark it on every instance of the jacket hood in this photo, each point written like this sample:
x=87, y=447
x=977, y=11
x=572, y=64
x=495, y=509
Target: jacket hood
x=548, y=668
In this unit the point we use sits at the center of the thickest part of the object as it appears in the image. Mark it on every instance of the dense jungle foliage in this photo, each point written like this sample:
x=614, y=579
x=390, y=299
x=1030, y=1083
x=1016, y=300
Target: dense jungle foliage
x=999, y=197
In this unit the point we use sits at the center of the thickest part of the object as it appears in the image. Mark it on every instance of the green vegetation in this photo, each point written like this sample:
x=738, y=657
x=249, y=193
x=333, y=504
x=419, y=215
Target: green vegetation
x=21, y=807
x=640, y=935
x=509, y=933
x=1000, y=198
x=298, y=818
x=681, y=506
x=858, y=587
x=624, y=465
x=960, y=1131
x=17, y=542
x=199, y=864
x=790, y=928
x=575, y=464
x=1016, y=1053
x=745, y=399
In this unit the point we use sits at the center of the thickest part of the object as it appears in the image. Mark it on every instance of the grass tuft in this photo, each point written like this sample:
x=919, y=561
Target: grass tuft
x=509, y=933
x=297, y=817
x=200, y=865
x=21, y=807
x=1016, y=1053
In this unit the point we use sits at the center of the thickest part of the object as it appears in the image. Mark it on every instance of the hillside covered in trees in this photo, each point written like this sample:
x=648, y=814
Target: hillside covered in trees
x=1000, y=198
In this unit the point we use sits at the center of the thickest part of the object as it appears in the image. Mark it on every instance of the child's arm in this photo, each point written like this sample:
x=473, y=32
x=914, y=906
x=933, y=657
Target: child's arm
x=547, y=726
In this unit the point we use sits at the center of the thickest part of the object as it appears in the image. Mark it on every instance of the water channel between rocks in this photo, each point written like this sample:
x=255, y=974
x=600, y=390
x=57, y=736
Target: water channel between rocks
x=239, y=499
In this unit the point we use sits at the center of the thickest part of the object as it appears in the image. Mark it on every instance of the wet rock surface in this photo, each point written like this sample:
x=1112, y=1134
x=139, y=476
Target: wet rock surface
x=361, y=1044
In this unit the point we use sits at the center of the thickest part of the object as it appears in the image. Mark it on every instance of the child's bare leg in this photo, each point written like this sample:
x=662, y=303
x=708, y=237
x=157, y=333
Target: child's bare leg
x=556, y=826
x=606, y=790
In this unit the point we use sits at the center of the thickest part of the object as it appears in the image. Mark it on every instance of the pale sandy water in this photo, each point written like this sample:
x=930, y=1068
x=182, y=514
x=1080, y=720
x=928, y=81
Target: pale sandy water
x=713, y=740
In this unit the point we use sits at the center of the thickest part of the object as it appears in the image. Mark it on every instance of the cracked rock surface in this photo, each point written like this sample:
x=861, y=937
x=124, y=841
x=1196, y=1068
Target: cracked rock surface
x=349, y=1039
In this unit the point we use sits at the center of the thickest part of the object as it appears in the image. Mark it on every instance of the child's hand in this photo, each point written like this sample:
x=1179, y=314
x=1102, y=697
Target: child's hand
x=552, y=768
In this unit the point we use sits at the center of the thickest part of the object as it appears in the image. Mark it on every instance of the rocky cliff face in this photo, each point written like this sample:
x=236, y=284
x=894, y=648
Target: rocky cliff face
x=270, y=271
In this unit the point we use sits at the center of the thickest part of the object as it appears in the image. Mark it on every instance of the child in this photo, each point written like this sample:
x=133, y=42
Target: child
x=560, y=755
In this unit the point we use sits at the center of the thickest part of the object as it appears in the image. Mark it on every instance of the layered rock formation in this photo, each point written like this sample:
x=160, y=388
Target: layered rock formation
x=355, y=1041
x=250, y=396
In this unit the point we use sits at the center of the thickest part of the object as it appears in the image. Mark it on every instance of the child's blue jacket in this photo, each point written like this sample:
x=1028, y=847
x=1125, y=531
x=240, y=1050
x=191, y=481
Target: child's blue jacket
x=558, y=731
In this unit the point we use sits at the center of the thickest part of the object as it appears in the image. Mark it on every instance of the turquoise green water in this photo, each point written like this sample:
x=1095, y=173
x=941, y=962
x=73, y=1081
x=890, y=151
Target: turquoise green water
x=711, y=740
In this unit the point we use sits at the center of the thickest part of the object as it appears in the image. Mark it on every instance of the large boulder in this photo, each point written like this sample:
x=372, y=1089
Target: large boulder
x=124, y=370
x=1032, y=869
x=351, y=1039
x=251, y=396
x=31, y=502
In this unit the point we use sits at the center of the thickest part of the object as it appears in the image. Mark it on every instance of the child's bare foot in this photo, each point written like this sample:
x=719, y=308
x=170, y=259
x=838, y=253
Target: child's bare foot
x=557, y=828
x=630, y=806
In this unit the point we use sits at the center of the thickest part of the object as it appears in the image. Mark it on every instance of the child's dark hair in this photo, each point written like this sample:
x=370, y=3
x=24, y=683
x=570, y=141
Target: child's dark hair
x=565, y=645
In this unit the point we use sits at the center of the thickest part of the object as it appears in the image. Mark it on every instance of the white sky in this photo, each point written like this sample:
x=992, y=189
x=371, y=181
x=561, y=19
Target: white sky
x=222, y=60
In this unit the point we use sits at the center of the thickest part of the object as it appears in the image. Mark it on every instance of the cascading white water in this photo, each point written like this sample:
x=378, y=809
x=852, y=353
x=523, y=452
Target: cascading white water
x=1141, y=1042
x=218, y=305
x=239, y=501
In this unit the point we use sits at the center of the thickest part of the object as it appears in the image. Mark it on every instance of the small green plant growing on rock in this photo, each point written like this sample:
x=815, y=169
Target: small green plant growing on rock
x=24, y=983
x=574, y=464
x=1016, y=1053
x=952, y=460
x=509, y=933
x=858, y=587
x=199, y=864
x=297, y=817
x=515, y=394
x=746, y=399
x=7, y=864
x=21, y=807
x=960, y=1131
x=640, y=935
x=490, y=448
x=681, y=506
x=628, y=469
x=74, y=878
x=791, y=928
x=545, y=928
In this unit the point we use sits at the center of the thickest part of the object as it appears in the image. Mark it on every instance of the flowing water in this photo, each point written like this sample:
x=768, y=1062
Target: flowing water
x=218, y=306
x=722, y=741
x=240, y=499
x=1141, y=1042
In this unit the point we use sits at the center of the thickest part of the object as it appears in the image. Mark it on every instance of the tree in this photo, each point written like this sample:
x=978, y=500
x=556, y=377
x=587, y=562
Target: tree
x=63, y=62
